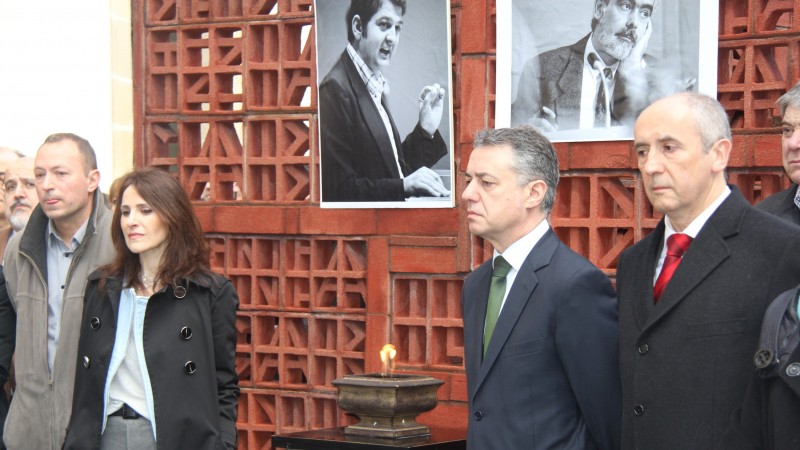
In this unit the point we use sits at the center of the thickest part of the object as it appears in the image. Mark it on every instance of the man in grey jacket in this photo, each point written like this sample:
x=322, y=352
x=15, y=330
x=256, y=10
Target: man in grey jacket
x=604, y=79
x=67, y=237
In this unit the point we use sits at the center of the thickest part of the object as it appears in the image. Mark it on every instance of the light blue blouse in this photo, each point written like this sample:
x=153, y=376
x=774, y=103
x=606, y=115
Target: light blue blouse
x=131, y=314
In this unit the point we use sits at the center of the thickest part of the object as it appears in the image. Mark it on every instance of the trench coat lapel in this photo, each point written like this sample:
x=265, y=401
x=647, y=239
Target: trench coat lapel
x=521, y=292
x=642, y=283
x=707, y=251
x=113, y=290
x=705, y=254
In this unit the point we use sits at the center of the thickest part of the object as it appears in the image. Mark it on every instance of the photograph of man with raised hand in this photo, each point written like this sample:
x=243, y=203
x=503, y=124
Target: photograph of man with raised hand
x=384, y=113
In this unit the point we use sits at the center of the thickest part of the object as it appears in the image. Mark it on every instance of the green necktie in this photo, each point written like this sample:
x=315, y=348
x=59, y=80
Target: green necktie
x=496, y=293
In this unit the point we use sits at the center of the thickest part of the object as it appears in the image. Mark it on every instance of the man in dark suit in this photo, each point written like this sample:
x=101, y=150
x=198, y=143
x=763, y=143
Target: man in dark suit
x=566, y=88
x=692, y=293
x=786, y=204
x=363, y=157
x=540, y=340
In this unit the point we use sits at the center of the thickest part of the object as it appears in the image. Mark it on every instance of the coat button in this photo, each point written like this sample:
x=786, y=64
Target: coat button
x=638, y=410
x=94, y=323
x=190, y=368
x=86, y=362
x=793, y=369
x=478, y=415
x=763, y=358
x=186, y=333
x=179, y=291
x=643, y=349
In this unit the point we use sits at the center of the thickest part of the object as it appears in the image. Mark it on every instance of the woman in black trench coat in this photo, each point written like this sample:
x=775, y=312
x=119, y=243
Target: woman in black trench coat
x=157, y=346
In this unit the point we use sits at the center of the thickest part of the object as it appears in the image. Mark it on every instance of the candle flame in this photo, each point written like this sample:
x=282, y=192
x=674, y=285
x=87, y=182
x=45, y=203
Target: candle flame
x=388, y=352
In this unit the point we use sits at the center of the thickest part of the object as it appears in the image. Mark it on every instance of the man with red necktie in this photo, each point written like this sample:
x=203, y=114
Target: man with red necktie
x=692, y=293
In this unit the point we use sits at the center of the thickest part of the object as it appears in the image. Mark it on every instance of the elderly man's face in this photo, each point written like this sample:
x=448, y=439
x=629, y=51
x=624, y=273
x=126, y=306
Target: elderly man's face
x=377, y=40
x=20, y=193
x=621, y=23
x=6, y=158
x=790, y=142
x=678, y=173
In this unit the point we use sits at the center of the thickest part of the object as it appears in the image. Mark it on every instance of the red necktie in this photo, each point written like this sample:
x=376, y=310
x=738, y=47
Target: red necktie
x=676, y=247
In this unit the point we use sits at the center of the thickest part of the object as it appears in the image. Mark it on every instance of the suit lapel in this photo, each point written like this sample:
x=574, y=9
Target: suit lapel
x=478, y=299
x=371, y=116
x=521, y=291
x=397, y=139
x=570, y=80
x=707, y=251
x=642, y=283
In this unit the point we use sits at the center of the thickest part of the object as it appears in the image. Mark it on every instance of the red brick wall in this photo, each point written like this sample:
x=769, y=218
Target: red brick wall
x=322, y=290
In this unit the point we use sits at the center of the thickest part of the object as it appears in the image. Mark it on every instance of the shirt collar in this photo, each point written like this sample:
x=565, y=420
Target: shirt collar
x=374, y=81
x=77, y=238
x=797, y=197
x=517, y=252
x=588, y=51
x=697, y=224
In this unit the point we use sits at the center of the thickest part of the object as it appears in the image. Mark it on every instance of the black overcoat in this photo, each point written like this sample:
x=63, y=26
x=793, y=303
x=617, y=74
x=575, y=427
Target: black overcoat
x=193, y=409
x=685, y=362
x=782, y=205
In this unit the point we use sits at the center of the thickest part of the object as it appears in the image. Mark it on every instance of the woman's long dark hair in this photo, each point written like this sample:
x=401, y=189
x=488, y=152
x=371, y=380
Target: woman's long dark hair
x=186, y=251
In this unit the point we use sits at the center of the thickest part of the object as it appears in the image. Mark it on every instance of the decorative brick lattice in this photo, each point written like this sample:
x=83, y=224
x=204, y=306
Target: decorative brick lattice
x=162, y=145
x=161, y=11
x=426, y=324
x=216, y=157
x=751, y=77
x=758, y=186
x=301, y=324
x=735, y=18
x=337, y=348
x=163, y=91
x=211, y=69
x=598, y=215
x=279, y=159
x=775, y=16
x=280, y=65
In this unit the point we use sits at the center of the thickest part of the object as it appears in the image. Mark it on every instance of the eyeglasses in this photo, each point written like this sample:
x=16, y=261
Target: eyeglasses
x=11, y=185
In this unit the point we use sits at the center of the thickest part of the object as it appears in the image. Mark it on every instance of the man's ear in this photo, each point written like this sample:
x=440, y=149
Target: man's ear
x=722, y=152
x=94, y=180
x=599, y=9
x=356, y=26
x=535, y=191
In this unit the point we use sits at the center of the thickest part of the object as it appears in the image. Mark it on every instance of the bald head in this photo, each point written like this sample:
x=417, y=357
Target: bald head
x=8, y=155
x=19, y=192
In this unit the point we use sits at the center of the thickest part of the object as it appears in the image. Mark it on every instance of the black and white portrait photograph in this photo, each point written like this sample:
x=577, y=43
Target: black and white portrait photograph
x=582, y=70
x=385, y=103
